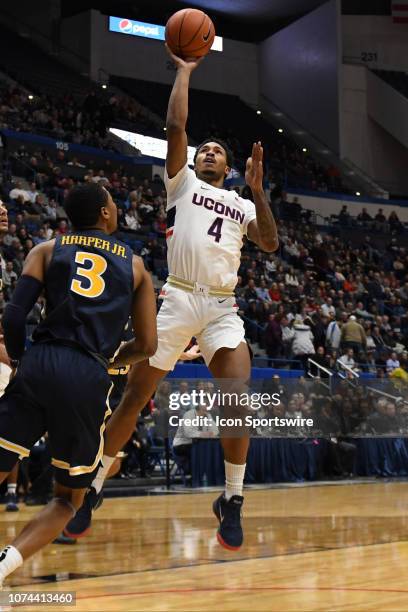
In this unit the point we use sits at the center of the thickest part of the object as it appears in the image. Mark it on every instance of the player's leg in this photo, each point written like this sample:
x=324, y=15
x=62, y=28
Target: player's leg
x=223, y=345
x=233, y=364
x=42, y=529
x=11, y=495
x=230, y=363
x=175, y=327
x=176, y=323
x=142, y=383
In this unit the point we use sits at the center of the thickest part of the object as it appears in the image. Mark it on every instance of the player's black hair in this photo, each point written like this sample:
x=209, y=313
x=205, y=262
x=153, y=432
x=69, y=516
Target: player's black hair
x=230, y=156
x=83, y=204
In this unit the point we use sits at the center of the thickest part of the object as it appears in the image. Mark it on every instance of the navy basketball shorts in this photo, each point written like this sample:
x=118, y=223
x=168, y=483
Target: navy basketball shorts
x=62, y=391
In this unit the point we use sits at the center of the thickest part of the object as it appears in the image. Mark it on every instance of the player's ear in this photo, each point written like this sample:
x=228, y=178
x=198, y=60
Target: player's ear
x=227, y=171
x=105, y=213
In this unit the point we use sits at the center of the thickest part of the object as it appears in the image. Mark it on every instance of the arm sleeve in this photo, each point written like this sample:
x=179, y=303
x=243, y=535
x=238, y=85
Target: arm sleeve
x=250, y=214
x=178, y=184
x=24, y=297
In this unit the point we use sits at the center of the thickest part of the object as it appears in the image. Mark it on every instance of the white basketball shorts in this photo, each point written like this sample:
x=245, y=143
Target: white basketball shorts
x=214, y=321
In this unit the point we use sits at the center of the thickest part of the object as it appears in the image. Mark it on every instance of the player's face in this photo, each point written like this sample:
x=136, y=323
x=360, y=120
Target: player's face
x=211, y=162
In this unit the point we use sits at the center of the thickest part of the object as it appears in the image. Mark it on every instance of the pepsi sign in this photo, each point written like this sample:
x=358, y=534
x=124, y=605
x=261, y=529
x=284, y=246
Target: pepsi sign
x=147, y=30
x=136, y=28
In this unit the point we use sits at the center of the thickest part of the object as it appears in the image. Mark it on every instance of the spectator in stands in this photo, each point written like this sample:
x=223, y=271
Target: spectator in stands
x=185, y=434
x=344, y=216
x=274, y=293
x=302, y=345
x=394, y=223
x=132, y=217
x=262, y=292
x=364, y=218
x=17, y=192
x=333, y=334
x=251, y=294
x=32, y=192
x=392, y=363
x=380, y=221
x=347, y=359
x=327, y=308
x=273, y=336
x=291, y=279
x=353, y=335
x=9, y=276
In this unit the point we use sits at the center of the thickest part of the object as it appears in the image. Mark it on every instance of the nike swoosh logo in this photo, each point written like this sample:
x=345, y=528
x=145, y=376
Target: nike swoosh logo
x=205, y=38
x=221, y=301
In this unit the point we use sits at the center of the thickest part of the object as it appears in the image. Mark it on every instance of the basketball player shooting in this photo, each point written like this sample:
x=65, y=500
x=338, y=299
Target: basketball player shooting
x=205, y=229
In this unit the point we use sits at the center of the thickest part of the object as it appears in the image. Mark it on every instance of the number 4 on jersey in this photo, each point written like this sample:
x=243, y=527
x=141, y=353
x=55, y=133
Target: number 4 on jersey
x=215, y=229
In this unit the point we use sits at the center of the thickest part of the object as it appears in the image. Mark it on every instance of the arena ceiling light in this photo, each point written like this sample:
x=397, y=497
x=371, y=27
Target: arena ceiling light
x=148, y=30
x=147, y=145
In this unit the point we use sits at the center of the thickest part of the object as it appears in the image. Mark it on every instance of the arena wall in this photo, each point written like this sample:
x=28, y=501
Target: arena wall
x=375, y=41
x=363, y=141
x=299, y=72
x=233, y=71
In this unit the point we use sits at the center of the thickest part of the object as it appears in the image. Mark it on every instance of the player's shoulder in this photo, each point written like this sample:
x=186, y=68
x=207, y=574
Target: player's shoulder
x=139, y=269
x=43, y=248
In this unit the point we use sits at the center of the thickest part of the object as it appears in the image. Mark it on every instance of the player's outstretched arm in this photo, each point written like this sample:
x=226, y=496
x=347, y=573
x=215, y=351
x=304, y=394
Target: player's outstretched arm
x=144, y=345
x=262, y=230
x=25, y=295
x=177, y=113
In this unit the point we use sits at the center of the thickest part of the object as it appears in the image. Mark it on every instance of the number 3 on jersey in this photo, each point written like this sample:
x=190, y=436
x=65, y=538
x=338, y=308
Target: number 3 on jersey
x=94, y=284
x=215, y=229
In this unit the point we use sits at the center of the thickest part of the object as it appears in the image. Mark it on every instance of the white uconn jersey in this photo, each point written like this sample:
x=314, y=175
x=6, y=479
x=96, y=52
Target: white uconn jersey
x=205, y=230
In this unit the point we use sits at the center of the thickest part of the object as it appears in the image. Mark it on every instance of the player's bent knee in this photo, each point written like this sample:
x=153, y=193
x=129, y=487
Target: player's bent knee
x=64, y=505
x=74, y=497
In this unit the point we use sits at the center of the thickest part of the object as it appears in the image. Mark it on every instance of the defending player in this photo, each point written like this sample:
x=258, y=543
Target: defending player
x=205, y=229
x=92, y=282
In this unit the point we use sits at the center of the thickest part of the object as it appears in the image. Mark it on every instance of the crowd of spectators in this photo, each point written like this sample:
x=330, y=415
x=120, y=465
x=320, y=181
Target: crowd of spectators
x=82, y=121
x=321, y=296
x=318, y=297
x=85, y=121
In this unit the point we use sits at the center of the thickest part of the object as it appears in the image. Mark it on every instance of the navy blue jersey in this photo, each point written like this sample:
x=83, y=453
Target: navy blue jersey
x=89, y=289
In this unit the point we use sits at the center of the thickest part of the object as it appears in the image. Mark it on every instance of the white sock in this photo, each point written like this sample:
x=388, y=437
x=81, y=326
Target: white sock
x=10, y=560
x=234, y=479
x=101, y=474
x=12, y=489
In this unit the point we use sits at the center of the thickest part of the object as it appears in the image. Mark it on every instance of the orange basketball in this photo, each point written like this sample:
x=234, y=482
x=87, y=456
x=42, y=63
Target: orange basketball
x=190, y=33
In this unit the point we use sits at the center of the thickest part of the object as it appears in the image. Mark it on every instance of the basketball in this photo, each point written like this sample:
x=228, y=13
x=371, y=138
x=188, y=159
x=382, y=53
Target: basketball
x=190, y=33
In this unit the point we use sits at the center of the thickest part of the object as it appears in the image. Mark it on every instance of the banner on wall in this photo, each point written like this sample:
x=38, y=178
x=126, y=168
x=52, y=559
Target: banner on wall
x=147, y=30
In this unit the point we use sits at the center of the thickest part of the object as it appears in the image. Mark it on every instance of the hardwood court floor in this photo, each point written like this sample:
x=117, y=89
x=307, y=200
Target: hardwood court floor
x=308, y=548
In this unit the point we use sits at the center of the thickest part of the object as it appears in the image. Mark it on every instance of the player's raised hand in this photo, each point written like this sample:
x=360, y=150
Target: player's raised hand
x=3, y=218
x=188, y=63
x=254, y=168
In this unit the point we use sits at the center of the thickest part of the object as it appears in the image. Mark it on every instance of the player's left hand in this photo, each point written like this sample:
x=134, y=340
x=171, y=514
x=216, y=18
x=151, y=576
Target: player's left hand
x=3, y=218
x=254, y=167
x=193, y=353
